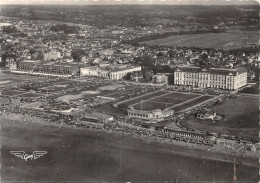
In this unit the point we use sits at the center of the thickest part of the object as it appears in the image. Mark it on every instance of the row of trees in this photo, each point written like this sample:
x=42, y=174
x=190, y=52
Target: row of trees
x=9, y=29
x=64, y=27
x=77, y=54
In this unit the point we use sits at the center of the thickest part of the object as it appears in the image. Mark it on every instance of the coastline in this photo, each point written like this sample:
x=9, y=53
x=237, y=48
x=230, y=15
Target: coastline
x=183, y=148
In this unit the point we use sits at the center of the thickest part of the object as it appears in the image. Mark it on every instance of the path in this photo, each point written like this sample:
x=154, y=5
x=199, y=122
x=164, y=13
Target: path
x=194, y=106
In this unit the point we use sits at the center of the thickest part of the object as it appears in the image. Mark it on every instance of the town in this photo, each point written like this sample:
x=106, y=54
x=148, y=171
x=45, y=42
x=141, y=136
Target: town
x=117, y=79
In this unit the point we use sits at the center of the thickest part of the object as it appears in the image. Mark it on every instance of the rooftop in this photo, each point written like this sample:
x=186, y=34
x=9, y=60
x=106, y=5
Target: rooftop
x=238, y=70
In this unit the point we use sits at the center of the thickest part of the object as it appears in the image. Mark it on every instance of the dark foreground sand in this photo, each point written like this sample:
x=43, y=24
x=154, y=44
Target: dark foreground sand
x=87, y=155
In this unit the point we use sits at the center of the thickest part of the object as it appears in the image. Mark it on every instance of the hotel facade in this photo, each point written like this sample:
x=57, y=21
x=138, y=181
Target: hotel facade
x=230, y=79
x=37, y=66
x=113, y=72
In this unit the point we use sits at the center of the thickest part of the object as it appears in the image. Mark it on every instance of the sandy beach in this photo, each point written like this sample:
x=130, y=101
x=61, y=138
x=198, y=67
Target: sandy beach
x=76, y=154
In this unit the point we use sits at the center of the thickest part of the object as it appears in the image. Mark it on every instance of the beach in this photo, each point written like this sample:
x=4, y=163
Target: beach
x=76, y=154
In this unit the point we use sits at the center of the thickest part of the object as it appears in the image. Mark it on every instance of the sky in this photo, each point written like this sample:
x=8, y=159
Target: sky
x=119, y=2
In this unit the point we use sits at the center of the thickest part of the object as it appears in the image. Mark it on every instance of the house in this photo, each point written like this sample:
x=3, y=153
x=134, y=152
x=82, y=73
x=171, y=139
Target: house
x=52, y=55
x=67, y=59
x=206, y=115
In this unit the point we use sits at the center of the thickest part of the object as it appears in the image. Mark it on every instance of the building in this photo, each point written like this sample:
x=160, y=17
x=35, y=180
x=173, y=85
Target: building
x=106, y=53
x=161, y=78
x=10, y=64
x=113, y=72
x=28, y=65
x=182, y=133
x=89, y=71
x=154, y=114
x=37, y=66
x=230, y=79
x=117, y=73
x=136, y=76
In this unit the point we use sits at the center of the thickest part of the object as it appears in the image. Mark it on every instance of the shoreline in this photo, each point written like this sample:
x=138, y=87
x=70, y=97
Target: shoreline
x=169, y=146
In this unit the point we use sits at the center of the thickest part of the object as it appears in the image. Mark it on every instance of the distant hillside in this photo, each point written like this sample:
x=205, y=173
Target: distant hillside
x=135, y=15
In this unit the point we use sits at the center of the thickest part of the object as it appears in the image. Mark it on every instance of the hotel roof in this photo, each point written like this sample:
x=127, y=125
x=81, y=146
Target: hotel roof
x=222, y=71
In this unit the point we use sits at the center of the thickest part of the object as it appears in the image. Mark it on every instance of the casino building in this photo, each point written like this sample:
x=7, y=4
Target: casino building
x=230, y=79
x=156, y=114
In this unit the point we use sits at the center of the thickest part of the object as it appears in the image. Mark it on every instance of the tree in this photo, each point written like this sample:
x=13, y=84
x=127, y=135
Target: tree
x=171, y=79
x=127, y=76
x=77, y=54
x=171, y=53
x=64, y=27
x=32, y=51
x=204, y=57
x=9, y=29
x=10, y=51
x=147, y=61
x=160, y=54
x=40, y=55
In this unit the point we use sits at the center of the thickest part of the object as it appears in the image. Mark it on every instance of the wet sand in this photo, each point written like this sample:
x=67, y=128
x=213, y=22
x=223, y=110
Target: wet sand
x=91, y=155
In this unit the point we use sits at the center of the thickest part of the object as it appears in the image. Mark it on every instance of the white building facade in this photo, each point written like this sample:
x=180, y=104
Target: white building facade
x=230, y=79
x=154, y=114
x=113, y=74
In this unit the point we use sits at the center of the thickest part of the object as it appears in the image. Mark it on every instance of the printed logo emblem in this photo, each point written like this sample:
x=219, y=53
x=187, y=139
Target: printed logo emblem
x=23, y=155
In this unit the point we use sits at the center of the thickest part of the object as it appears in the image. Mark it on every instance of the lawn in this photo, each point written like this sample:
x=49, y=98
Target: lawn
x=224, y=41
x=78, y=95
x=191, y=103
x=169, y=100
x=143, y=98
x=240, y=118
x=109, y=109
x=5, y=82
x=253, y=89
x=148, y=106
x=160, y=103
x=11, y=92
x=127, y=91
x=31, y=95
x=158, y=100
x=184, y=96
x=34, y=105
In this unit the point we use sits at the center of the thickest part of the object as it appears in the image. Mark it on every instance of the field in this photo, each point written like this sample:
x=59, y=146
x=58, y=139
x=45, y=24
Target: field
x=190, y=103
x=251, y=89
x=117, y=93
x=162, y=99
x=121, y=93
x=240, y=118
x=79, y=95
x=58, y=85
x=5, y=82
x=34, y=105
x=224, y=41
x=138, y=99
x=11, y=92
x=31, y=95
x=18, y=93
x=94, y=87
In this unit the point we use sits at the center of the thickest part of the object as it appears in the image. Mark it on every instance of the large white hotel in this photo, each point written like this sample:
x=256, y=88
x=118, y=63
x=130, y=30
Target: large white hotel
x=113, y=72
x=230, y=79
